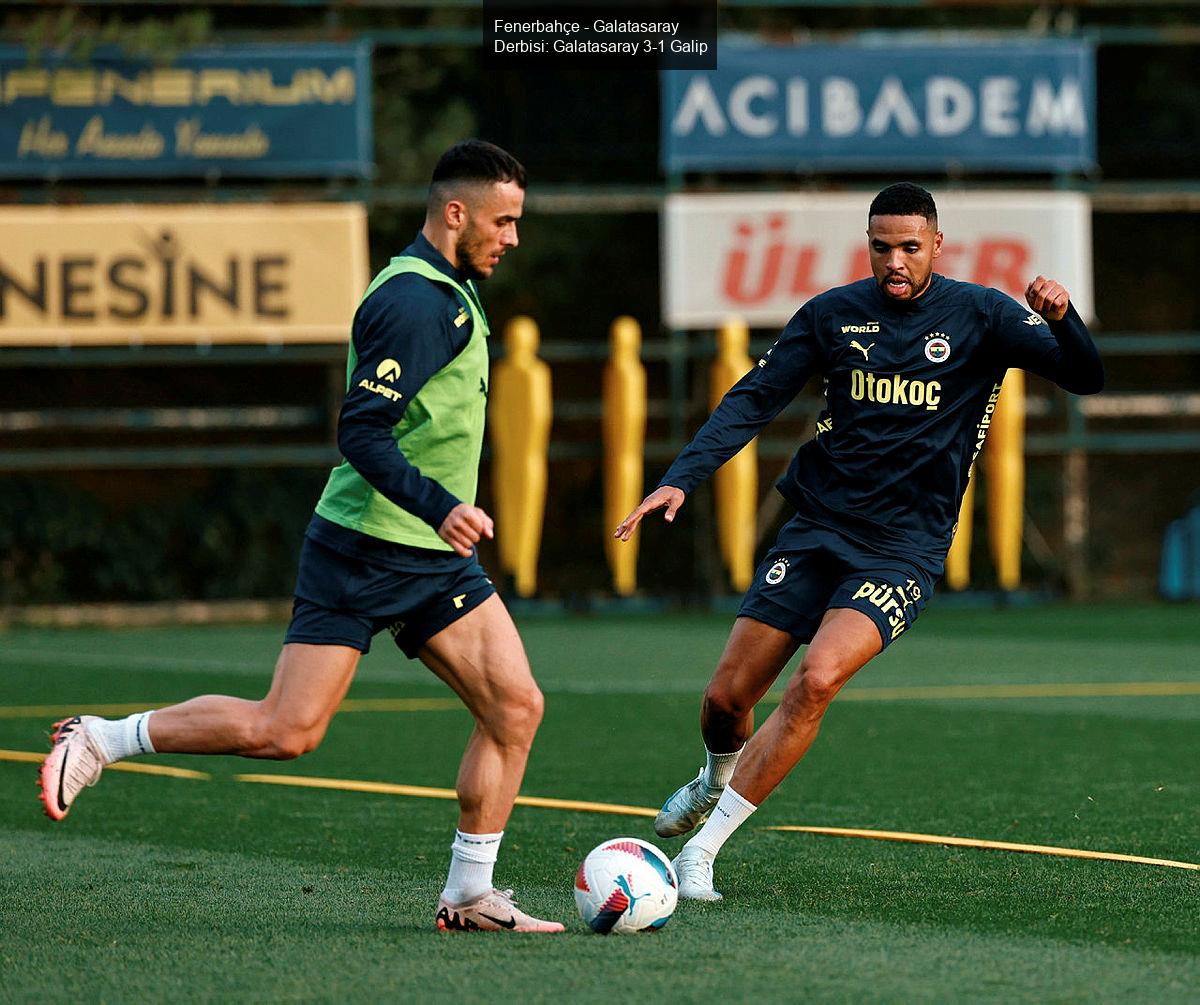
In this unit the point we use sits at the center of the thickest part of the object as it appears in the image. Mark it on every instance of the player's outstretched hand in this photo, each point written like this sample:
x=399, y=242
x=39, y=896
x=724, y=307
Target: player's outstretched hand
x=665, y=495
x=463, y=526
x=1048, y=298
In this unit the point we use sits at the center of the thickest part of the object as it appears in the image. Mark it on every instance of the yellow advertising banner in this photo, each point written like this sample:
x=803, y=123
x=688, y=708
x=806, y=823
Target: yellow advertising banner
x=158, y=274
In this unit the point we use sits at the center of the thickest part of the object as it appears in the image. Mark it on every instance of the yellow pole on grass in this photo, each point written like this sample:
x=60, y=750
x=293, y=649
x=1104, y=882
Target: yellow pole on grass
x=623, y=431
x=735, y=485
x=1004, y=466
x=520, y=411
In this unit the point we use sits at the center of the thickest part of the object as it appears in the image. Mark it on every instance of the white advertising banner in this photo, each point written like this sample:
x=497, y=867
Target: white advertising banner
x=760, y=256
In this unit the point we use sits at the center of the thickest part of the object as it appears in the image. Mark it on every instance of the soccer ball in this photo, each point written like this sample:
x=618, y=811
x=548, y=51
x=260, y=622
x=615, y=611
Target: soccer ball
x=625, y=885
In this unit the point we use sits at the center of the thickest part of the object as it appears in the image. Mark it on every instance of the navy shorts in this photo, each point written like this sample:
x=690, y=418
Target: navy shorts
x=813, y=568
x=345, y=600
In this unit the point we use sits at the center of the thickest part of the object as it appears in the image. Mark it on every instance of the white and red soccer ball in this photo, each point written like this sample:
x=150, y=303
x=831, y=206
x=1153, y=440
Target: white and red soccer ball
x=625, y=885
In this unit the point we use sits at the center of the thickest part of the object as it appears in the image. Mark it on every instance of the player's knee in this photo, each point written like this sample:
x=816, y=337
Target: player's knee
x=813, y=688
x=515, y=717
x=530, y=707
x=281, y=740
x=294, y=743
x=722, y=701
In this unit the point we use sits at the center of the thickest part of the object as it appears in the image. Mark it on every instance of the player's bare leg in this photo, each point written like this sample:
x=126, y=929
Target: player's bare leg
x=846, y=641
x=309, y=683
x=482, y=658
x=753, y=658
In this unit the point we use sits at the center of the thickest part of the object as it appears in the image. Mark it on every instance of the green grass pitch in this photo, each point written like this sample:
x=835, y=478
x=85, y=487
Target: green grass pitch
x=159, y=888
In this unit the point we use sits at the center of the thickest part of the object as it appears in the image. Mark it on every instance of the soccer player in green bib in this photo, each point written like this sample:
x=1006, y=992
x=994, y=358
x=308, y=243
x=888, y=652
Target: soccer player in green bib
x=390, y=546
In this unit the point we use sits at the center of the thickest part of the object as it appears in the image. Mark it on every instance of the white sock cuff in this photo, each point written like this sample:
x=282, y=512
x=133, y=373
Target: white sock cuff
x=116, y=739
x=141, y=732
x=731, y=811
x=480, y=848
x=738, y=799
x=719, y=767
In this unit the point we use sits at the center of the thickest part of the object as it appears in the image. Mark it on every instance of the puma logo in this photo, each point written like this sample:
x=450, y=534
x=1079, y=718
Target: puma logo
x=864, y=350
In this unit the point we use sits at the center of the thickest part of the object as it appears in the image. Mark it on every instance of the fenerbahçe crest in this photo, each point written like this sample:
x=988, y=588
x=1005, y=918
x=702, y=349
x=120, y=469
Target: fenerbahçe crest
x=937, y=347
x=776, y=573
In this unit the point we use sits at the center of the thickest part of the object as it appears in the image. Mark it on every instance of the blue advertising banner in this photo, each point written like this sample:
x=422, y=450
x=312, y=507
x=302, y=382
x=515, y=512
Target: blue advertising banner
x=238, y=110
x=1013, y=107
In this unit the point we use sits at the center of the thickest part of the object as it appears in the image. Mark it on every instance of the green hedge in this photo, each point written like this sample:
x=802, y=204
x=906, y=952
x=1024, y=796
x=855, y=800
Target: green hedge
x=237, y=537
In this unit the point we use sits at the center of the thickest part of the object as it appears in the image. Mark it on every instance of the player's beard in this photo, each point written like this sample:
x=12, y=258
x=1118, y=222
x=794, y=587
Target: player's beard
x=916, y=290
x=470, y=244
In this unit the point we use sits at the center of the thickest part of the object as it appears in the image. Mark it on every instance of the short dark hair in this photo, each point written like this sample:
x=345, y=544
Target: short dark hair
x=904, y=199
x=474, y=161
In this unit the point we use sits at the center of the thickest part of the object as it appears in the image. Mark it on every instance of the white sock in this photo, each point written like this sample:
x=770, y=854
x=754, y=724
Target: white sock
x=118, y=738
x=719, y=768
x=727, y=816
x=472, y=858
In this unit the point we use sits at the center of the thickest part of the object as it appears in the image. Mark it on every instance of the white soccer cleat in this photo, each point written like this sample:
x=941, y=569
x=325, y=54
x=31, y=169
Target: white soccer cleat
x=687, y=808
x=73, y=763
x=495, y=911
x=695, y=871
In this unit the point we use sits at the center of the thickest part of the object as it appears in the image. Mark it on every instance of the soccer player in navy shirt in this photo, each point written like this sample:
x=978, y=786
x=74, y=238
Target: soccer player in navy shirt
x=913, y=363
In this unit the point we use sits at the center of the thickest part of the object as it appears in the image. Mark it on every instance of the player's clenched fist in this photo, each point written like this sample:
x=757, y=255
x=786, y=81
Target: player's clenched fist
x=463, y=526
x=1048, y=298
x=664, y=496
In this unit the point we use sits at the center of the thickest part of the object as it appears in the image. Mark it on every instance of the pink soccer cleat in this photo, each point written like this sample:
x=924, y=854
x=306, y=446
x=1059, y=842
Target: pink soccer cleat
x=495, y=911
x=72, y=764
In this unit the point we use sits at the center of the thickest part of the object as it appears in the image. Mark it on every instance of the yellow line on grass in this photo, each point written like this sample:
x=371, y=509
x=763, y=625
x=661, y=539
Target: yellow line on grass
x=401, y=705
x=134, y=767
x=617, y=809
x=52, y=711
x=1036, y=849
x=423, y=792
x=1117, y=689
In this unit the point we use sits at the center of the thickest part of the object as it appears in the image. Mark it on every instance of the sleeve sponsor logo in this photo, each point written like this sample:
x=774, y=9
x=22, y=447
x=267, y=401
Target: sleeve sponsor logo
x=388, y=370
x=985, y=421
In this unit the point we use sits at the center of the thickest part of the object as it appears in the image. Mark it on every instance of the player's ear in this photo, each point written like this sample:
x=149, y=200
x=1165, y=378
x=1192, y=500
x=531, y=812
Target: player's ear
x=454, y=214
x=937, y=245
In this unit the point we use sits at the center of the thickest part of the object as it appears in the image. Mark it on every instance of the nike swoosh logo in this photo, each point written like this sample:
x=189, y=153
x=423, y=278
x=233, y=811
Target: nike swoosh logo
x=62, y=776
x=510, y=923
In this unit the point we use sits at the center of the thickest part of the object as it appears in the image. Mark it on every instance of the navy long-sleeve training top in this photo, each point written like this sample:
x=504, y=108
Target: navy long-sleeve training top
x=411, y=320
x=910, y=388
